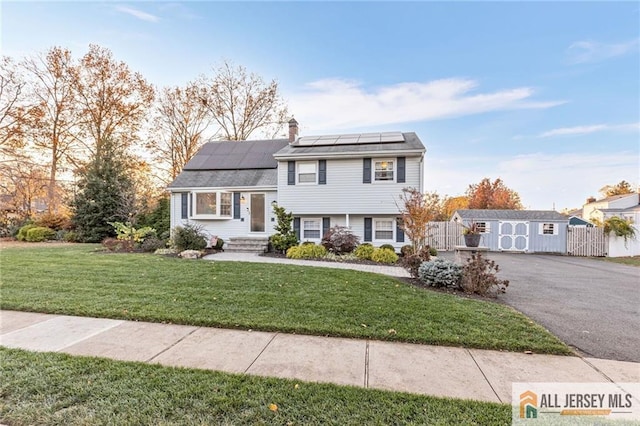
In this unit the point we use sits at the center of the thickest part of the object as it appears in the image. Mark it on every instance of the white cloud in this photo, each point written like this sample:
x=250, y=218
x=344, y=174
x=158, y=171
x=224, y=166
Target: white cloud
x=138, y=14
x=543, y=180
x=591, y=51
x=585, y=130
x=342, y=104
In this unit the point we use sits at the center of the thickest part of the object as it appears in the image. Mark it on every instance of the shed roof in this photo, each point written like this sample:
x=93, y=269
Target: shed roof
x=482, y=214
x=237, y=155
x=225, y=178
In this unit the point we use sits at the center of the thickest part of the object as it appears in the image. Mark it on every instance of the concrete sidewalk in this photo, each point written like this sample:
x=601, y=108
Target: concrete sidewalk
x=432, y=370
x=392, y=271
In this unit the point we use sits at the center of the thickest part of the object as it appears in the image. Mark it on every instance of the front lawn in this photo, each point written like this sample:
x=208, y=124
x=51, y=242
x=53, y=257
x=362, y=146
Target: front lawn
x=629, y=260
x=75, y=280
x=48, y=388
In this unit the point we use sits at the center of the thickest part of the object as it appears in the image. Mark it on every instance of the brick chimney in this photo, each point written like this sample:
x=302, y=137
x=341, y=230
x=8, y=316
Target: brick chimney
x=293, y=130
x=591, y=200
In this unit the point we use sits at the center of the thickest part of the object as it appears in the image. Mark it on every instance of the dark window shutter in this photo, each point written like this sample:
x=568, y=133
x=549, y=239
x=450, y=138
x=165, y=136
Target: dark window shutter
x=291, y=173
x=322, y=172
x=236, y=205
x=185, y=205
x=366, y=170
x=402, y=169
x=326, y=224
x=399, y=232
x=296, y=226
x=191, y=203
x=368, y=229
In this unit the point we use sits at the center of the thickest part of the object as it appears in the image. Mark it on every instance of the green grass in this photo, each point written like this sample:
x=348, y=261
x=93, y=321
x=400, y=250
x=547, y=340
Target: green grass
x=57, y=389
x=271, y=297
x=631, y=260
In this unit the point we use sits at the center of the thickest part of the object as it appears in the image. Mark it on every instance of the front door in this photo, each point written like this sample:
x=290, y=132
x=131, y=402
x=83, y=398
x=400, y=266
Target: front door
x=257, y=210
x=513, y=236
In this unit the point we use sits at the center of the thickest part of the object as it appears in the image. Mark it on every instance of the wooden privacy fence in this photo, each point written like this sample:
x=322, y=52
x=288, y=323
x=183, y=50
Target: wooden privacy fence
x=582, y=241
x=445, y=235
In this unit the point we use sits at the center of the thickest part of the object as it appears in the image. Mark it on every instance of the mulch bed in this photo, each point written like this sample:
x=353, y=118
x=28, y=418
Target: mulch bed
x=353, y=261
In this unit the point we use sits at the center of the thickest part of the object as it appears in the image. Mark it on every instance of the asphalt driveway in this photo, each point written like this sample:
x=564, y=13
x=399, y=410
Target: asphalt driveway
x=590, y=304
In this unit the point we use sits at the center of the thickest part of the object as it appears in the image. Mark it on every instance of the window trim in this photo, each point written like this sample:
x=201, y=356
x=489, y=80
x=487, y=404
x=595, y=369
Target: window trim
x=394, y=171
x=484, y=227
x=217, y=215
x=374, y=229
x=303, y=237
x=316, y=172
x=554, y=228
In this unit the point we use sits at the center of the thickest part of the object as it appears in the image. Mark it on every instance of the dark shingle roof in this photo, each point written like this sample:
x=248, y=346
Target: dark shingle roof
x=237, y=155
x=225, y=178
x=411, y=143
x=478, y=214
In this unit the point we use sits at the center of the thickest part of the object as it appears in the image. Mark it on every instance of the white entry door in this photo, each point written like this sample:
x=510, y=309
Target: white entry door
x=513, y=236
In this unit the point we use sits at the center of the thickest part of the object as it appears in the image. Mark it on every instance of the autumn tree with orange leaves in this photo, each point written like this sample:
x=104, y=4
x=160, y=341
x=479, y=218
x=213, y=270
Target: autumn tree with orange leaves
x=113, y=101
x=492, y=196
x=416, y=211
x=52, y=127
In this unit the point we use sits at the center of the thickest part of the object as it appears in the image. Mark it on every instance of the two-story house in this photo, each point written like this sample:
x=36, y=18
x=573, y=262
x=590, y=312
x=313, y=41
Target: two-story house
x=352, y=180
x=626, y=206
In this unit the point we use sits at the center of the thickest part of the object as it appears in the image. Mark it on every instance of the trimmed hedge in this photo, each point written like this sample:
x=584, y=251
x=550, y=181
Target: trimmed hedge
x=40, y=233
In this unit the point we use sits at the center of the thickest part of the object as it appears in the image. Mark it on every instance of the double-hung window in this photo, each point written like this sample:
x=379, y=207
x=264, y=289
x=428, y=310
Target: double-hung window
x=212, y=205
x=311, y=229
x=383, y=229
x=307, y=172
x=383, y=170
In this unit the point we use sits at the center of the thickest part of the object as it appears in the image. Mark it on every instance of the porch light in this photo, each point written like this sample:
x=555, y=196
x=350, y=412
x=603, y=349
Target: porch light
x=242, y=199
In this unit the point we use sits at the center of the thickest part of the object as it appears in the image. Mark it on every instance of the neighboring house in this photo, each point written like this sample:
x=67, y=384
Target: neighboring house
x=626, y=206
x=531, y=231
x=350, y=180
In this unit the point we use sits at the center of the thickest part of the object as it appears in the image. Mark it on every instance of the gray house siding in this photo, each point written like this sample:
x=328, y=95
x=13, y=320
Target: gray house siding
x=344, y=191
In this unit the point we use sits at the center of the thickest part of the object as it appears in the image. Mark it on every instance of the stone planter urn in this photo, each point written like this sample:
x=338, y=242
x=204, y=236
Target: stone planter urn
x=472, y=240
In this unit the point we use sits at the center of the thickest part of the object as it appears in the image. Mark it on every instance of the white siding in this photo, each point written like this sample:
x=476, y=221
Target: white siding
x=226, y=228
x=356, y=225
x=344, y=191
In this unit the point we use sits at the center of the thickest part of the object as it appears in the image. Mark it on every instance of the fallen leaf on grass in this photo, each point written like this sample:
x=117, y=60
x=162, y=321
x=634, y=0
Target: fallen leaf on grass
x=273, y=407
x=364, y=325
x=393, y=331
x=296, y=386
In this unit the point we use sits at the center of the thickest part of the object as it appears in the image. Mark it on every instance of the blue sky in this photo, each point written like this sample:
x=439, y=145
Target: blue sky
x=544, y=95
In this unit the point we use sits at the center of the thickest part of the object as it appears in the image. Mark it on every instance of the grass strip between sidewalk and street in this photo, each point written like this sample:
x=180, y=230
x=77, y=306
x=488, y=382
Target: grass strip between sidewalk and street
x=77, y=280
x=49, y=388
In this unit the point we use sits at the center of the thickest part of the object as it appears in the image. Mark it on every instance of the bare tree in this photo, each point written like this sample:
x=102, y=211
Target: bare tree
x=12, y=112
x=113, y=100
x=24, y=184
x=242, y=103
x=52, y=129
x=181, y=121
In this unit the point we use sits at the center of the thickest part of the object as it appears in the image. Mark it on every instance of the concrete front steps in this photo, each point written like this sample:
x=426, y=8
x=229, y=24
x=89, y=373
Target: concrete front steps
x=247, y=244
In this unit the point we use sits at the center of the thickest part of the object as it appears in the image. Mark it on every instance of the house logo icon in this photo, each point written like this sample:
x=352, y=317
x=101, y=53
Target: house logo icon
x=528, y=405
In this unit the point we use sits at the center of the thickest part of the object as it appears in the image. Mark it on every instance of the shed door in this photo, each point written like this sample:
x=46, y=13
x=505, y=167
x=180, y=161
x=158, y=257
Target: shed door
x=513, y=236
